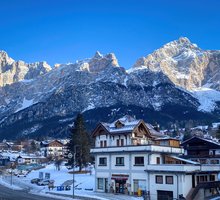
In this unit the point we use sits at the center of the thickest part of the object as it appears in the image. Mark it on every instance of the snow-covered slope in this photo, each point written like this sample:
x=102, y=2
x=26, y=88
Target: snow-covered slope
x=207, y=98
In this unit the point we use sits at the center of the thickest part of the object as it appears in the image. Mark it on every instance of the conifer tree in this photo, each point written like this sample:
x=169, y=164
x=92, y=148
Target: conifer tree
x=218, y=133
x=79, y=142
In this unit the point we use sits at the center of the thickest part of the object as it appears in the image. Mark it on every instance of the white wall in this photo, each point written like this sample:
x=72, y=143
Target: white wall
x=168, y=187
x=153, y=158
x=185, y=184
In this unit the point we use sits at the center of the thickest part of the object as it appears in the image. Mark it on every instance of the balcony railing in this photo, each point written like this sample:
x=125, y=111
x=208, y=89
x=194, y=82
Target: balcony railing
x=138, y=148
x=205, y=185
x=183, y=168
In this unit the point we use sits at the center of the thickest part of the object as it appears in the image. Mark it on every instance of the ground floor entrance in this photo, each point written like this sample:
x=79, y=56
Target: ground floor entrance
x=164, y=195
x=120, y=183
x=120, y=186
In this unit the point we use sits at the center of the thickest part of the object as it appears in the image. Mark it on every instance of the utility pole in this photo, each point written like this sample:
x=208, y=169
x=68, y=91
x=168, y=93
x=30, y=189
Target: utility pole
x=70, y=155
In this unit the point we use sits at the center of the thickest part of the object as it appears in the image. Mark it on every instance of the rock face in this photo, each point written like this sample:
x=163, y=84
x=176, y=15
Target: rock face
x=11, y=71
x=185, y=64
x=39, y=100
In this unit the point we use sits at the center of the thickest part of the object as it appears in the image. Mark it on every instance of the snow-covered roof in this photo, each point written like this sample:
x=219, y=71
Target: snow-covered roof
x=30, y=157
x=128, y=124
x=185, y=160
x=216, y=124
x=153, y=131
x=167, y=138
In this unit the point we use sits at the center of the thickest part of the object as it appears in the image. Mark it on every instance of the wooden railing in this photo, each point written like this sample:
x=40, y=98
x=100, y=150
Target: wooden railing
x=205, y=185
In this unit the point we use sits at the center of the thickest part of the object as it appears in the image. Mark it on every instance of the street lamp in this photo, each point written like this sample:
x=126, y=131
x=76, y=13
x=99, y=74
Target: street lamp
x=70, y=155
x=12, y=165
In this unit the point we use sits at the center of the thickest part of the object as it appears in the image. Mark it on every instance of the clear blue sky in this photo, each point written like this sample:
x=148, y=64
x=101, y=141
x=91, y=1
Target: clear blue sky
x=61, y=31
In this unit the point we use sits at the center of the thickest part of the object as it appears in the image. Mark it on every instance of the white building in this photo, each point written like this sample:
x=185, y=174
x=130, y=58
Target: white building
x=27, y=159
x=130, y=156
x=51, y=149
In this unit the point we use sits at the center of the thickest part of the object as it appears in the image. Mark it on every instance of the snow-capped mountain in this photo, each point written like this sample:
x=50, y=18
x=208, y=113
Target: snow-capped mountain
x=188, y=67
x=38, y=99
x=185, y=64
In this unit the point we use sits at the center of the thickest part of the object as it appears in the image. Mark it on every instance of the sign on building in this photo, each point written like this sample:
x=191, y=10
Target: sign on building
x=47, y=176
x=41, y=175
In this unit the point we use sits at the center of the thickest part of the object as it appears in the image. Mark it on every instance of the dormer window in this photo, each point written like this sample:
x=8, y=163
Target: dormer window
x=118, y=124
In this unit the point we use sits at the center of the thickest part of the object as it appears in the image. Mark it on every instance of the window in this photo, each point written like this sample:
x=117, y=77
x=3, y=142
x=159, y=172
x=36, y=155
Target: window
x=214, y=161
x=169, y=179
x=159, y=179
x=100, y=183
x=139, y=161
x=158, y=160
x=202, y=178
x=103, y=161
x=103, y=143
x=212, y=177
x=120, y=161
x=118, y=142
x=122, y=142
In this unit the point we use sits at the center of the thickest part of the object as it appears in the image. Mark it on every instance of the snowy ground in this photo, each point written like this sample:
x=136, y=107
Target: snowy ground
x=84, y=184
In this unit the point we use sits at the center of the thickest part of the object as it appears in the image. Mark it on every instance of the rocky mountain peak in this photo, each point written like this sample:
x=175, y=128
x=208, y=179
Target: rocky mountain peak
x=184, y=40
x=98, y=55
x=13, y=71
x=180, y=60
x=183, y=43
x=5, y=59
x=99, y=62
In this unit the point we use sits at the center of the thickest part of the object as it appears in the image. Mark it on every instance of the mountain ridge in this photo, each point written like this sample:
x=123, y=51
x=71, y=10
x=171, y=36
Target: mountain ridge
x=100, y=83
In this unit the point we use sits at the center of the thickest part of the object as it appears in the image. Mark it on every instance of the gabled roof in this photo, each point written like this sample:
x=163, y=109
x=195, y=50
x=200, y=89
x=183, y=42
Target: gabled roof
x=55, y=142
x=196, y=138
x=127, y=125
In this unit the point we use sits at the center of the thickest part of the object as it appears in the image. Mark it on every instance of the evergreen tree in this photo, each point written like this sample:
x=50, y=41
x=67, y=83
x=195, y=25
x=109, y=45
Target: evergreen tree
x=218, y=133
x=79, y=142
x=187, y=135
x=33, y=147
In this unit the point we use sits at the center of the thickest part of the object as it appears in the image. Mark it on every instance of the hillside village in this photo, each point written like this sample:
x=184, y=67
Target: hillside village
x=129, y=157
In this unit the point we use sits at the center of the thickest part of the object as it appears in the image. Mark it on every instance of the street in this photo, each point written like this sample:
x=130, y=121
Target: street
x=9, y=194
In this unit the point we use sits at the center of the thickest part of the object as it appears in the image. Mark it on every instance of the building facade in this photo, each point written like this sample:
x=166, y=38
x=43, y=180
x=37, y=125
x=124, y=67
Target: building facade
x=130, y=156
x=52, y=148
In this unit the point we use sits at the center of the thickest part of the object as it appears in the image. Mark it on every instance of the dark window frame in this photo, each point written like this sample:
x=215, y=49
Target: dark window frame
x=168, y=182
x=102, y=161
x=120, y=161
x=138, y=161
x=157, y=178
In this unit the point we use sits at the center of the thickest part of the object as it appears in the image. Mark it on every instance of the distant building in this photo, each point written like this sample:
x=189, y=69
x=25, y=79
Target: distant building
x=4, y=160
x=51, y=149
x=131, y=157
x=202, y=150
x=25, y=159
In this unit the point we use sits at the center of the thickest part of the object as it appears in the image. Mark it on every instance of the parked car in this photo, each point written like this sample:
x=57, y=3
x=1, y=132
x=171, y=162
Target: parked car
x=21, y=175
x=35, y=180
x=45, y=182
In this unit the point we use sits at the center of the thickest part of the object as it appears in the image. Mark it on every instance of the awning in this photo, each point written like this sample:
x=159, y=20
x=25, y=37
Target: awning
x=120, y=176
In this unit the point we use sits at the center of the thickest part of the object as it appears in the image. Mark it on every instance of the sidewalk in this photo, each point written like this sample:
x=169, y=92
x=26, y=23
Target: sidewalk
x=100, y=196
